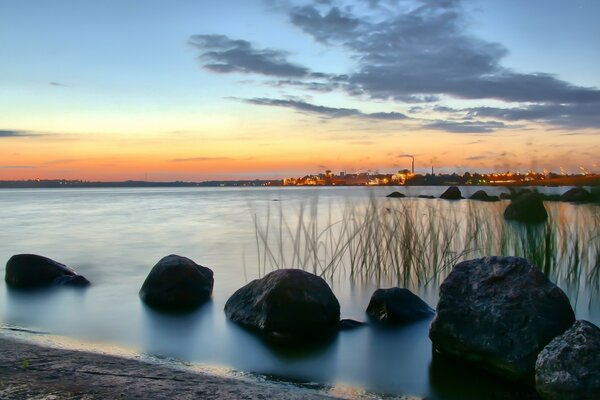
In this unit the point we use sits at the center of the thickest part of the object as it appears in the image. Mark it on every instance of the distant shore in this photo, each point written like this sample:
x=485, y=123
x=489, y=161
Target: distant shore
x=29, y=370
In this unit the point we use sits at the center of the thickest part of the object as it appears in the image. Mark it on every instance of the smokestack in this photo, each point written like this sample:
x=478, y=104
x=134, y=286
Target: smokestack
x=413, y=165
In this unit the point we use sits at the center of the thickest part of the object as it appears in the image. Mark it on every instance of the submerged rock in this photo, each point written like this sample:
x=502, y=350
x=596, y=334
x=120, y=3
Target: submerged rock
x=526, y=207
x=350, y=324
x=288, y=304
x=481, y=195
x=397, y=195
x=577, y=195
x=569, y=367
x=397, y=306
x=177, y=283
x=499, y=313
x=452, y=193
x=31, y=270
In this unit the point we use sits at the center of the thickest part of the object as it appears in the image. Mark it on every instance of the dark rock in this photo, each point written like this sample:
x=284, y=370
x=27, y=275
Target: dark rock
x=506, y=196
x=569, y=367
x=577, y=195
x=349, y=324
x=30, y=270
x=425, y=196
x=452, y=193
x=499, y=313
x=481, y=195
x=397, y=306
x=396, y=195
x=177, y=283
x=526, y=207
x=287, y=303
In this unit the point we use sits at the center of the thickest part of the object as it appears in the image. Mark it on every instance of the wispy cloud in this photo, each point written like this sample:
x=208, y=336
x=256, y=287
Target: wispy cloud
x=10, y=133
x=17, y=166
x=466, y=126
x=200, y=159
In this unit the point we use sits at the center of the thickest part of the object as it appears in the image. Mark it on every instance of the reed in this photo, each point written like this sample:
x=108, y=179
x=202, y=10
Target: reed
x=414, y=243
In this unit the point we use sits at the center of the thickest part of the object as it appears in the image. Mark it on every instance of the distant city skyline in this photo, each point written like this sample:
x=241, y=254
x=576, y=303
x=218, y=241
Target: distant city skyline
x=149, y=90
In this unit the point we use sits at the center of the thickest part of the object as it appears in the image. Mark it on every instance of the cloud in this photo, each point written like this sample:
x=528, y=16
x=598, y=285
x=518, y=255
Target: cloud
x=466, y=126
x=17, y=166
x=9, y=133
x=224, y=55
x=58, y=84
x=328, y=112
x=200, y=159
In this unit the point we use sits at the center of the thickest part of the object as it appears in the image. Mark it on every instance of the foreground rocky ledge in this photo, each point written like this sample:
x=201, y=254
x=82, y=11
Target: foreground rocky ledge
x=31, y=371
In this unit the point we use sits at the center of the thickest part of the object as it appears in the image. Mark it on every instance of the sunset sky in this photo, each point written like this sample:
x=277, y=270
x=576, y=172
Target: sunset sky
x=235, y=89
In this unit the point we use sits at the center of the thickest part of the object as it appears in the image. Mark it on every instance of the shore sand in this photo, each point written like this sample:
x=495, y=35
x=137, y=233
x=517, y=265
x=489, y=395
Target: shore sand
x=31, y=371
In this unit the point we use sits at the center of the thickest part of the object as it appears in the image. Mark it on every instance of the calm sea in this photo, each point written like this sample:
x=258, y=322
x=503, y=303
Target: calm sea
x=115, y=236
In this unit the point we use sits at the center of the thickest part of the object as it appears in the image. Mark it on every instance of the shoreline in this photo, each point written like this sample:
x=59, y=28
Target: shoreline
x=30, y=369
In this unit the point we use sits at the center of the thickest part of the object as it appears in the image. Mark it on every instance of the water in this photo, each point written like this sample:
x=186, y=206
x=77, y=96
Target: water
x=115, y=236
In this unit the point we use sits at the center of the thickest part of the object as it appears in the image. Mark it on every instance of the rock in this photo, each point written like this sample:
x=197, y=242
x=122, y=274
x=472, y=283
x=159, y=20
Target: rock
x=526, y=207
x=287, y=303
x=425, y=196
x=550, y=197
x=31, y=270
x=397, y=195
x=349, y=324
x=481, y=195
x=506, y=196
x=499, y=313
x=452, y=193
x=177, y=283
x=577, y=195
x=569, y=367
x=397, y=306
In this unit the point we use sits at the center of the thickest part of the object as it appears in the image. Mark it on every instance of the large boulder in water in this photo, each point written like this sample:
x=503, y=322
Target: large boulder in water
x=499, y=313
x=481, y=195
x=286, y=305
x=31, y=270
x=577, y=195
x=526, y=207
x=396, y=195
x=569, y=367
x=397, y=306
x=452, y=193
x=177, y=283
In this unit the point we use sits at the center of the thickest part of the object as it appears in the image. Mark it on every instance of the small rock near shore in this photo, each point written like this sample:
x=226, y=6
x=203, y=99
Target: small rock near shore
x=288, y=304
x=177, y=283
x=31, y=270
x=569, y=367
x=499, y=313
x=526, y=207
x=481, y=195
x=452, y=193
x=577, y=195
x=396, y=195
x=397, y=306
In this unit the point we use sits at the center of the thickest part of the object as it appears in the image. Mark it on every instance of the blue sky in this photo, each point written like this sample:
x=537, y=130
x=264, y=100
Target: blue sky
x=123, y=69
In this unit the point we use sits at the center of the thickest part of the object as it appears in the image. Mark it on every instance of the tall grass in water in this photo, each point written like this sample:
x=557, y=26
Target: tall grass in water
x=414, y=242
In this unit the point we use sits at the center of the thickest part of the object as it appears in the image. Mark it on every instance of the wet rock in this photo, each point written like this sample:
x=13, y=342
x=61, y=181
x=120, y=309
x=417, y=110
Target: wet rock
x=397, y=306
x=499, y=313
x=569, y=367
x=452, y=193
x=349, y=324
x=550, y=197
x=287, y=303
x=425, y=196
x=506, y=196
x=31, y=270
x=481, y=195
x=397, y=195
x=577, y=195
x=526, y=207
x=177, y=283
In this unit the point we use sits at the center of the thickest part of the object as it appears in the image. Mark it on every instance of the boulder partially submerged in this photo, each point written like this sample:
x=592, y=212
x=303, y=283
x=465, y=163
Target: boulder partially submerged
x=396, y=195
x=287, y=305
x=396, y=306
x=31, y=270
x=499, y=313
x=177, y=283
x=526, y=207
x=577, y=195
x=481, y=195
x=568, y=368
x=452, y=193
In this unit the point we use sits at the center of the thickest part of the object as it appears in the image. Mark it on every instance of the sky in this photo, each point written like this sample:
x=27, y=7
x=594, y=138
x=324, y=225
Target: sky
x=240, y=89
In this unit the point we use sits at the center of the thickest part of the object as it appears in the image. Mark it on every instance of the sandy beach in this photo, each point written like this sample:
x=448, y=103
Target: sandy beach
x=31, y=371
